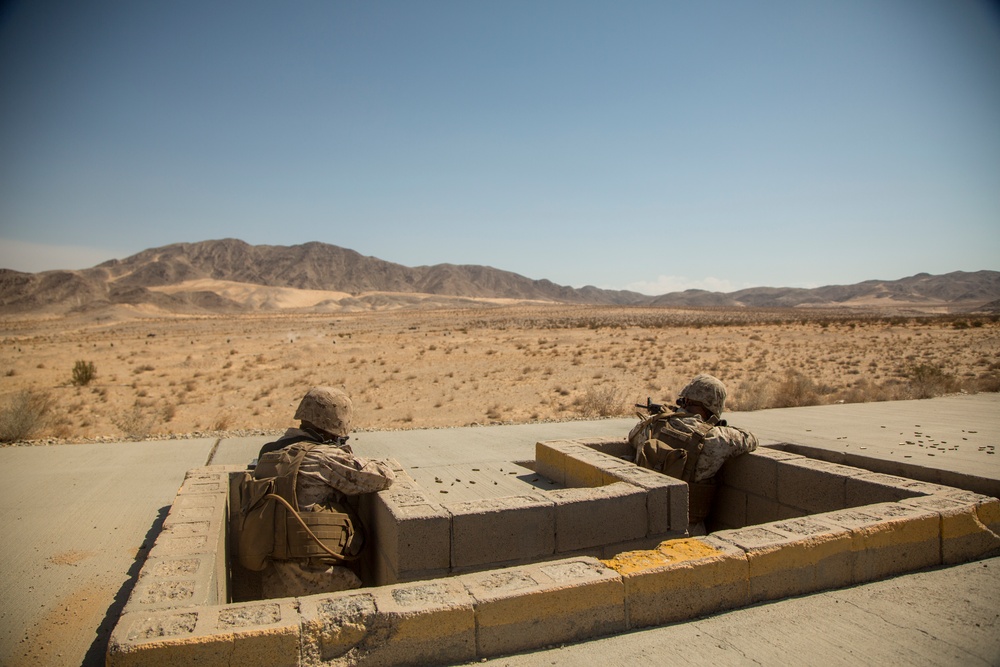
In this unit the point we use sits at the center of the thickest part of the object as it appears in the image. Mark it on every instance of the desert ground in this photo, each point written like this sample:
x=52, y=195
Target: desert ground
x=78, y=380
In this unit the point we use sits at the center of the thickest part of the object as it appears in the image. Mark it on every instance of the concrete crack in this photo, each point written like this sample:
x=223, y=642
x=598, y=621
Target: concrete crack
x=724, y=644
x=927, y=634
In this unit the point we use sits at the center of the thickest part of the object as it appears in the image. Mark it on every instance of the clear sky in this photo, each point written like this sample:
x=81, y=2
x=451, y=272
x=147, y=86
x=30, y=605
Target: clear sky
x=652, y=146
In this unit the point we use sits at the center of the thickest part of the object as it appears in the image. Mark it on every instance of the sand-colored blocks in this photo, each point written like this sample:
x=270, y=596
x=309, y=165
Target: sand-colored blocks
x=534, y=605
x=889, y=539
x=177, y=581
x=682, y=579
x=416, y=623
x=573, y=463
x=794, y=556
x=259, y=633
x=666, y=499
x=869, y=488
x=502, y=530
x=812, y=486
x=436, y=598
x=970, y=524
x=411, y=536
x=586, y=518
x=592, y=463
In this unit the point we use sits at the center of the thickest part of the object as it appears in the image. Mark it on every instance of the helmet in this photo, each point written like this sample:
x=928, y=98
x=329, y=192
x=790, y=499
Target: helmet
x=327, y=408
x=708, y=391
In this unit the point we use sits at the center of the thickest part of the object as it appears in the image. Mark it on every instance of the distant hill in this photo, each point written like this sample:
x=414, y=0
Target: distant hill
x=232, y=276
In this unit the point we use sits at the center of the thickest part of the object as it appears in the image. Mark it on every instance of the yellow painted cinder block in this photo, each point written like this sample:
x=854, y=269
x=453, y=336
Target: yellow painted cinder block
x=896, y=544
x=965, y=536
x=794, y=556
x=682, y=579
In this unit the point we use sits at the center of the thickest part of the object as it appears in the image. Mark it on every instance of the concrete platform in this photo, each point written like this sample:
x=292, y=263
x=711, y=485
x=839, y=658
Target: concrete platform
x=81, y=517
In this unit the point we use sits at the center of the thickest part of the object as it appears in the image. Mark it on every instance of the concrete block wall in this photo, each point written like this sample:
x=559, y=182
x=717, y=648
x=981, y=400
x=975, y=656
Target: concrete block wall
x=188, y=564
x=770, y=485
x=610, y=505
x=177, y=613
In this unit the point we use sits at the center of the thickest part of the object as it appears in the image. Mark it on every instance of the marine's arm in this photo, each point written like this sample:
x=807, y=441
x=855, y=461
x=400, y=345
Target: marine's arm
x=722, y=443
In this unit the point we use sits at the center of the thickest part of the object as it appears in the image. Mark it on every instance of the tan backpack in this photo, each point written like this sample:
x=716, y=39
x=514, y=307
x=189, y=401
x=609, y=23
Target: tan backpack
x=271, y=527
x=670, y=446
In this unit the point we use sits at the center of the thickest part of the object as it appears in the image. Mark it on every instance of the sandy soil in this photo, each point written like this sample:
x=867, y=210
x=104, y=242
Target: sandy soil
x=418, y=369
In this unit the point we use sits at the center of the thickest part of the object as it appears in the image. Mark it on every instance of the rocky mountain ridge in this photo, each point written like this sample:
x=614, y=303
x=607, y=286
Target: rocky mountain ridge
x=230, y=275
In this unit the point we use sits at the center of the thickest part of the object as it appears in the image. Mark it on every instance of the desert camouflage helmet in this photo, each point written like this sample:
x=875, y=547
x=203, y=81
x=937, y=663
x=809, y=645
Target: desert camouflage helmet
x=708, y=391
x=327, y=408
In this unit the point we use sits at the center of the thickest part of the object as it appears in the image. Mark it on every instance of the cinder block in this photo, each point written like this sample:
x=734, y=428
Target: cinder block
x=420, y=623
x=679, y=500
x=574, y=464
x=589, y=517
x=682, y=579
x=889, y=538
x=756, y=472
x=870, y=488
x=925, y=488
x=647, y=543
x=204, y=514
x=205, y=480
x=658, y=488
x=730, y=509
x=427, y=622
x=338, y=627
x=548, y=603
x=412, y=533
x=975, y=483
x=191, y=538
x=258, y=633
x=810, y=486
x=762, y=510
x=498, y=530
x=382, y=573
x=965, y=535
x=172, y=582
x=794, y=557
x=550, y=460
x=616, y=447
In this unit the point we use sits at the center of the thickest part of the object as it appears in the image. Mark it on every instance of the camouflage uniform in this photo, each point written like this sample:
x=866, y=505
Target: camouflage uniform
x=330, y=472
x=690, y=443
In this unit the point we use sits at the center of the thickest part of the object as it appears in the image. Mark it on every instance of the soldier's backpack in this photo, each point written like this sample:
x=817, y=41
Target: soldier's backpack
x=672, y=446
x=271, y=527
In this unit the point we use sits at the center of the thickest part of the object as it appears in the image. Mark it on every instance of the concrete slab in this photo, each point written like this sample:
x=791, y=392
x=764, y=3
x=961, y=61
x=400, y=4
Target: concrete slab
x=78, y=521
x=930, y=438
x=66, y=581
x=941, y=617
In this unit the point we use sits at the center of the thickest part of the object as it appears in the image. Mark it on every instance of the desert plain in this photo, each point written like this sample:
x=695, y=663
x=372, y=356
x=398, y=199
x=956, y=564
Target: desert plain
x=75, y=379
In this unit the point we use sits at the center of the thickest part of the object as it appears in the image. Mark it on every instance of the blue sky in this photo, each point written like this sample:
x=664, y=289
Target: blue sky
x=652, y=146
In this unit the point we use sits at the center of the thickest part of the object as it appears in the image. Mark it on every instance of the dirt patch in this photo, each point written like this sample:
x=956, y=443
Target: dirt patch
x=65, y=630
x=70, y=557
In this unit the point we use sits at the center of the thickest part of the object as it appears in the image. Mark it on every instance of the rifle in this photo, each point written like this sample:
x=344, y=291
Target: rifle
x=651, y=408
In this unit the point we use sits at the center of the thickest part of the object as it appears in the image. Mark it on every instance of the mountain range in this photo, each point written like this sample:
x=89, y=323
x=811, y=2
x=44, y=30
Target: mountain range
x=231, y=276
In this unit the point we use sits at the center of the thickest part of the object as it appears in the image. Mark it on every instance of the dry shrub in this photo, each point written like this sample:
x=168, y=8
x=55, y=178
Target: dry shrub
x=927, y=381
x=754, y=394
x=602, y=402
x=25, y=415
x=84, y=373
x=986, y=382
x=796, y=389
x=866, y=391
x=134, y=423
x=222, y=421
x=792, y=390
